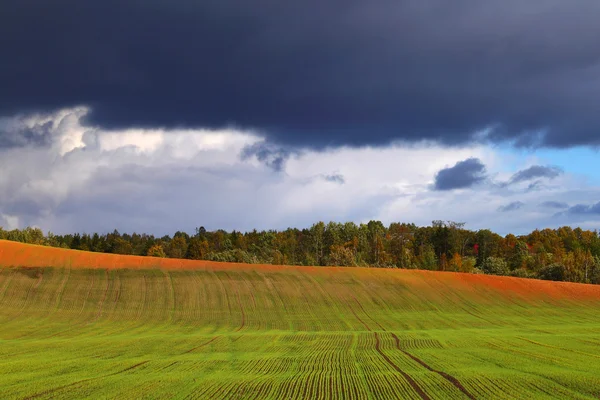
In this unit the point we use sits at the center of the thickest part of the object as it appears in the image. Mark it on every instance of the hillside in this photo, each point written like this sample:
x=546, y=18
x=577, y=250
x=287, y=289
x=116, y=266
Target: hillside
x=75, y=324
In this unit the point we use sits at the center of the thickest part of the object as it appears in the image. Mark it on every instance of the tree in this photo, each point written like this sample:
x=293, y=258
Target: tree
x=553, y=272
x=376, y=234
x=401, y=243
x=156, y=251
x=427, y=258
x=558, y=254
x=456, y=262
x=121, y=246
x=177, y=247
x=468, y=264
x=457, y=237
x=197, y=249
x=495, y=266
x=443, y=262
x=317, y=232
x=341, y=256
x=488, y=245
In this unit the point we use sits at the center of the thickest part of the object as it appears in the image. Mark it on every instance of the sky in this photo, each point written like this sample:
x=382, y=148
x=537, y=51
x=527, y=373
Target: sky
x=163, y=116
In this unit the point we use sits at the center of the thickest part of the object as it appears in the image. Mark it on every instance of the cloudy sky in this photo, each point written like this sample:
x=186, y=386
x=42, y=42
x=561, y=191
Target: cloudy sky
x=160, y=116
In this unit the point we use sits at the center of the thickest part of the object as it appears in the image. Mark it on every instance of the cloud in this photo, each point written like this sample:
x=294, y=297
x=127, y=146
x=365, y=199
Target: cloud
x=380, y=72
x=554, y=204
x=14, y=132
x=159, y=181
x=515, y=205
x=462, y=175
x=585, y=209
x=270, y=155
x=534, y=172
x=335, y=178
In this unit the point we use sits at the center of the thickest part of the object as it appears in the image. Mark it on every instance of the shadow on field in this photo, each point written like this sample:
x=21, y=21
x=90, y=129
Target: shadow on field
x=30, y=272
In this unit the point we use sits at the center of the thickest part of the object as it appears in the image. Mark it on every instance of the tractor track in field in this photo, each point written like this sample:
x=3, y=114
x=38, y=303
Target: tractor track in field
x=5, y=285
x=239, y=300
x=358, y=318
x=557, y=347
x=56, y=389
x=33, y=288
x=104, y=295
x=202, y=345
x=406, y=376
x=78, y=325
x=339, y=333
x=443, y=374
x=237, y=338
x=61, y=289
x=171, y=286
x=364, y=312
x=224, y=291
x=455, y=382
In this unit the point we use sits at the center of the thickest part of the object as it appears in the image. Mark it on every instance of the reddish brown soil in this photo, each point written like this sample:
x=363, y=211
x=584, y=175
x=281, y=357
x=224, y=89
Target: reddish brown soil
x=13, y=254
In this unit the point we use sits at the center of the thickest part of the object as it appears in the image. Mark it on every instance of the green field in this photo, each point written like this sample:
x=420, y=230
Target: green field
x=294, y=333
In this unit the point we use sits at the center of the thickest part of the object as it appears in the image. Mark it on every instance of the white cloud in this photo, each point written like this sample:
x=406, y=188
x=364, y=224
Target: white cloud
x=88, y=179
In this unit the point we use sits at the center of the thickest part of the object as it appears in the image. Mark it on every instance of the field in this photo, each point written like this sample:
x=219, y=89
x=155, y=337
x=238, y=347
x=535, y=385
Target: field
x=83, y=325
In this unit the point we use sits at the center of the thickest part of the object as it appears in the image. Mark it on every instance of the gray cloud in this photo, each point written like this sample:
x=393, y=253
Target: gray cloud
x=463, y=174
x=554, y=204
x=535, y=186
x=526, y=71
x=534, y=172
x=17, y=135
x=515, y=205
x=335, y=178
x=270, y=155
x=585, y=209
x=160, y=182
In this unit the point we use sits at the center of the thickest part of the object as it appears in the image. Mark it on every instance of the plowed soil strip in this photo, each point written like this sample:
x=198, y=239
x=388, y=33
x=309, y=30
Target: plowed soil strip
x=445, y=375
x=408, y=378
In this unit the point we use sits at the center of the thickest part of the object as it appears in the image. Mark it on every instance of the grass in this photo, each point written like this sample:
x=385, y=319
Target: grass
x=209, y=330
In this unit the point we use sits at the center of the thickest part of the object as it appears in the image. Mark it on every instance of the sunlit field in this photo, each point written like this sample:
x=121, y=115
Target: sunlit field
x=77, y=325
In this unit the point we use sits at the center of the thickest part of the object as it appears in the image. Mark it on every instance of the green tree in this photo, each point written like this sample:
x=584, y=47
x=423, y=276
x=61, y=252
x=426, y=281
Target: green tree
x=553, y=272
x=177, y=247
x=340, y=255
x=156, y=251
x=197, y=249
x=495, y=266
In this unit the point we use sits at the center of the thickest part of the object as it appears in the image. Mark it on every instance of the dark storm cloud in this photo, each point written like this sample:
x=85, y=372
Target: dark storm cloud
x=534, y=172
x=554, y=204
x=463, y=174
x=313, y=73
x=515, y=205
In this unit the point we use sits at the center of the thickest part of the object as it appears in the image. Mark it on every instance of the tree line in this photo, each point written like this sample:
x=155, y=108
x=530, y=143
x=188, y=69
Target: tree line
x=562, y=254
